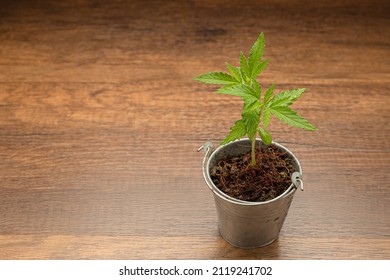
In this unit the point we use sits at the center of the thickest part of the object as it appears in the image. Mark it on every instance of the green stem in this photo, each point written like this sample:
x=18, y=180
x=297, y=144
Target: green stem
x=253, y=152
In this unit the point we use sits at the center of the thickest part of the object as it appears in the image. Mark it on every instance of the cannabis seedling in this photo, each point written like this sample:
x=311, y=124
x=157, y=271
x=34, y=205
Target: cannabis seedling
x=256, y=112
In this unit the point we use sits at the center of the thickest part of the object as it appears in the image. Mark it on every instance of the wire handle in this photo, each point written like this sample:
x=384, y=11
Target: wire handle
x=208, y=146
x=296, y=178
x=208, y=149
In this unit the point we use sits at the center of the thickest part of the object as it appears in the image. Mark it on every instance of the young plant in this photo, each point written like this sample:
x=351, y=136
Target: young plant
x=256, y=111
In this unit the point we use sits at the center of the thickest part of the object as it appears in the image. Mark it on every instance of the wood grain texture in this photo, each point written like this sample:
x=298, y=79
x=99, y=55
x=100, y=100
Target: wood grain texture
x=100, y=121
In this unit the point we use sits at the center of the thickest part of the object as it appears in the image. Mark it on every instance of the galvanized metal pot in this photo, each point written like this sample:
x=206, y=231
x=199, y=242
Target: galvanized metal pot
x=249, y=224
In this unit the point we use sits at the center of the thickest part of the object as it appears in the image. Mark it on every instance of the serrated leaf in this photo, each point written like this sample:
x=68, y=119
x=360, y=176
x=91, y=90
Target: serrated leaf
x=291, y=117
x=265, y=136
x=268, y=94
x=236, y=132
x=241, y=90
x=244, y=65
x=218, y=78
x=242, y=76
x=234, y=71
x=250, y=105
x=266, y=117
x=256, y=88
x=258, y=68
x=286, y=98
x=255, y=54
x=251, y=118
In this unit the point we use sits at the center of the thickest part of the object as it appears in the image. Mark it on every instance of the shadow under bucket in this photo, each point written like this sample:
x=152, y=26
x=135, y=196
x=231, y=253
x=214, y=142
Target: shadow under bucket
x=249, y=224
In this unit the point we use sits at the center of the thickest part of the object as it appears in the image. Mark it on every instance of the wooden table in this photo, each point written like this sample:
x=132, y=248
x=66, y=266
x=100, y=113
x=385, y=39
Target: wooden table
x=100, y=122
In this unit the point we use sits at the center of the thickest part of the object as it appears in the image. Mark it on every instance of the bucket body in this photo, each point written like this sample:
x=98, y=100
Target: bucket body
x=248, y=224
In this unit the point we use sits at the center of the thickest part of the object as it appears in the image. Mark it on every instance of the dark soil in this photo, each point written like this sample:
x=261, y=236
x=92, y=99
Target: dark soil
x=270, y=177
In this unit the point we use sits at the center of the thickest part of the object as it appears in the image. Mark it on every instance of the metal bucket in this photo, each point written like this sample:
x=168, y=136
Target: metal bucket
x=249, y=224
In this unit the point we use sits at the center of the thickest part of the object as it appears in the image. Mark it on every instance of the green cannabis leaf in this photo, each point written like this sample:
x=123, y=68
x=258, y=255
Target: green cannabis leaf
x=236, y=132
x=291, y=117
x=218, y=78
x=256, y=112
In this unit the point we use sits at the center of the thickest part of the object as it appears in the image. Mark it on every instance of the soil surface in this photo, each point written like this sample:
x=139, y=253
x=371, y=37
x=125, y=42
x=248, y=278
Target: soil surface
x=270, y=177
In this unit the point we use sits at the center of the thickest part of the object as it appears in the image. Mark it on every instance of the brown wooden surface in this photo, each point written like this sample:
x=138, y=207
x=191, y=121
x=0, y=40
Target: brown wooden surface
x=100, y=122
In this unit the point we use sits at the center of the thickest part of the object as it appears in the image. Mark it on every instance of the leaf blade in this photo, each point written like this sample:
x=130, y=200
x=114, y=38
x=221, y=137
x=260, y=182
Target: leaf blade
x=269, y=93
x=256, y=54
x=256, y=88
x=286, y=98
x=244, y=65
x=237, y=131
x=217, y=78
x=291, y=117
x=251, y=118
x=241, y=90
x=259, y=68
x=265, y=136
x=266, y=117
x=234, y=71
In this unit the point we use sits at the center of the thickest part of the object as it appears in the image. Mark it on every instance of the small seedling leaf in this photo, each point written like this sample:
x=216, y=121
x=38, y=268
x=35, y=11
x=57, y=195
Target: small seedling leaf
x=289, y=116
x=265, y=136
x=217, y=78
x=236, y=132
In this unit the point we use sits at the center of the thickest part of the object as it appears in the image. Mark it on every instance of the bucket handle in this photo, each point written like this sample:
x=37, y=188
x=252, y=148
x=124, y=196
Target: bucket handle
x=296, y=178
x=208, y=149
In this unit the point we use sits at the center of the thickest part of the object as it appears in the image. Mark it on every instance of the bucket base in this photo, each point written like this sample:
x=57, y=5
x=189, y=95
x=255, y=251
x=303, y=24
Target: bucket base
x=249, y=247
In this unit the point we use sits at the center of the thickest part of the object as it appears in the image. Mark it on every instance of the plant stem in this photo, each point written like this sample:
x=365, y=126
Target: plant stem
x=253, y=152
